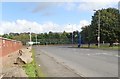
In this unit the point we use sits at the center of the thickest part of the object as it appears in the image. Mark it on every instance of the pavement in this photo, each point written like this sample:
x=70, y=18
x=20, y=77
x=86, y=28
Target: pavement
x=77, y=61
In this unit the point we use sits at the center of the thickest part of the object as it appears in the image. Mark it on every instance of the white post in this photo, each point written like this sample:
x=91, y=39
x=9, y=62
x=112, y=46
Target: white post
x=72, y=35
x=99, y=30
x=36, y=38
x=98, y=38
x=30, y=38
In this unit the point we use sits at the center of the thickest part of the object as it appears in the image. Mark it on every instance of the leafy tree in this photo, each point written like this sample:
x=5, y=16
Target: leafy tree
x=109, y=25
x=63, y=38
x=24, y=37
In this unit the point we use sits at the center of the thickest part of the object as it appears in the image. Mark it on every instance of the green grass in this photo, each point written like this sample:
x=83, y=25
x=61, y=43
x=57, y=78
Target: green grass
x=105, y=47
x=39, y=71
x=32, y=69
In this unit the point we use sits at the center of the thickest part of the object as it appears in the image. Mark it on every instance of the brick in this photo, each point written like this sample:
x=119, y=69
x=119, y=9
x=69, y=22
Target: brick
x=8, y=46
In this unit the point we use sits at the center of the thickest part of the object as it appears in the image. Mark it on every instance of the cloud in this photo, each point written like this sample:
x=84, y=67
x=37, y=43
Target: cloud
x=74, y=27
x=90, y=5
x=70, y=6
x=47, y=8
x=41, y=7
x=20, y=26
x=105, y=1
x=47, y=14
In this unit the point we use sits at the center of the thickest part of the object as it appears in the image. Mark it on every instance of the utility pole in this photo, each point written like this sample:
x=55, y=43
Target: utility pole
x=98, y=38
x=79, y=39
x=36, y=38
x=72, y=35
x=30, y=34
x=99, y=30
x=30, y=39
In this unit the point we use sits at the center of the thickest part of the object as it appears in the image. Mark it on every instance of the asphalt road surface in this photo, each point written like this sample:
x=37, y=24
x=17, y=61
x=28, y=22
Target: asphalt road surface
x=77, y=61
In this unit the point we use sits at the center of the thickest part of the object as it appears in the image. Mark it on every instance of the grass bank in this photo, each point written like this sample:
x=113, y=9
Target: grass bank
x=104, y=47
x=32, y=69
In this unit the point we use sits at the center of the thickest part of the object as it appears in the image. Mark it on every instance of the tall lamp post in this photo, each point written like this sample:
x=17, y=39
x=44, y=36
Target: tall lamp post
x=31, y=43
x=36, y=38
x=30, y=34
x=72, y=34
x=79, y=39
x=98, y=38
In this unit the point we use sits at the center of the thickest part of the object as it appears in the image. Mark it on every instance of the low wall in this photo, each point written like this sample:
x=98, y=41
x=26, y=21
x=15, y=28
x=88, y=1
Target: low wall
x=8, y=46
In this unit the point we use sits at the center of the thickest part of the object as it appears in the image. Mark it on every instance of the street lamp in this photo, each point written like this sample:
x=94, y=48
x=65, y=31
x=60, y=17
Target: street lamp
x=72, y=34
x=36, y=38
x=30, y=34
x=98, y=38
x=79, y=39
x=31, y=43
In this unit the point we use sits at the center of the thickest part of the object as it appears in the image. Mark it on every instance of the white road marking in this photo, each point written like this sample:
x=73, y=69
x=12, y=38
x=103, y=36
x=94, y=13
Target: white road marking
x=117, y=55
x=88, y=54
x=103, y=54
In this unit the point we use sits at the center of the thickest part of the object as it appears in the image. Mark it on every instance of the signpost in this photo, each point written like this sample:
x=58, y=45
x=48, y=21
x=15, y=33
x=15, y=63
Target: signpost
x=79, y=40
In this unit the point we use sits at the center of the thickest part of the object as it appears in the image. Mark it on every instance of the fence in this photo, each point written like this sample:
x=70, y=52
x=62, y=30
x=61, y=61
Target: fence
x=8, y=46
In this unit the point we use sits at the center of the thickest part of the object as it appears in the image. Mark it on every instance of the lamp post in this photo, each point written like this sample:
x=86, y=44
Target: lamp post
x=98, y=38
x=36, y=38
x=79, y=39
x=72, y=34
x=31, y=43
x=30, y=34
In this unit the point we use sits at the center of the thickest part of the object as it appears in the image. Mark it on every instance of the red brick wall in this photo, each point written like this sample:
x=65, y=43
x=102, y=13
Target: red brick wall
x=8, y=46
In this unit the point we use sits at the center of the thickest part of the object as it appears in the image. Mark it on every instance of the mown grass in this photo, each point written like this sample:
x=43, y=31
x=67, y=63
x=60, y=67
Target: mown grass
x=32, y=69
x=105, y=47
x=38, y=69
x=39, y=72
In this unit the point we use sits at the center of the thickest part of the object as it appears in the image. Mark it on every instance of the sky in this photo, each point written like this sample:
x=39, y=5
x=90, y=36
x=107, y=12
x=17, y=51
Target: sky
x=41, y=17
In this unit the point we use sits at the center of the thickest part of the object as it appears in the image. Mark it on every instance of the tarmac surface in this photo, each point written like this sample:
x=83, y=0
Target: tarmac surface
x=64, y=61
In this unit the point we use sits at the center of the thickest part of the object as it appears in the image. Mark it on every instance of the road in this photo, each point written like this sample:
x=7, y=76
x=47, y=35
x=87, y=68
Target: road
x=80, y=61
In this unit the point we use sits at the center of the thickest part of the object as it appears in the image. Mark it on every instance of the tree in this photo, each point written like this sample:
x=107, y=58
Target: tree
x=63, y=38
x=109, y=25
x=24, y=37
x=85, y=34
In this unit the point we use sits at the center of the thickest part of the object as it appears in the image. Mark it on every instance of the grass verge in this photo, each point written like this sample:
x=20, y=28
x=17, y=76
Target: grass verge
x=32, y=69
x=104, y=47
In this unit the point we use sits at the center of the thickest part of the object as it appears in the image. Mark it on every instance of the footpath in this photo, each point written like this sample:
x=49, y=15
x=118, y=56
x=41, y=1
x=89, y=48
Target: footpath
x=11, y=65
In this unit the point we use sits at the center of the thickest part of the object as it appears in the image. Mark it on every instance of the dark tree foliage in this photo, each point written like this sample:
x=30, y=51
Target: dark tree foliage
x=109, y=27
x=45, y=38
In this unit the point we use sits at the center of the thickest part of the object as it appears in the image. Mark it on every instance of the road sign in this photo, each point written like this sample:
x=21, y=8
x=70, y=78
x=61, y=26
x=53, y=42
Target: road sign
x=31, y=43
x=79, y=39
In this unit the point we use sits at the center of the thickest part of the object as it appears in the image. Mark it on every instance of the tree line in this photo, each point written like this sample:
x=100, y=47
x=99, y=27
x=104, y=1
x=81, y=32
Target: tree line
x=45, y=38
x=109, y=27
